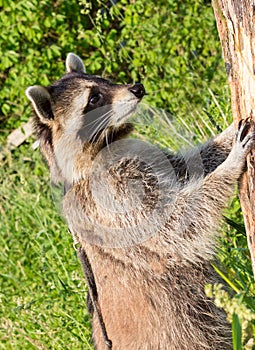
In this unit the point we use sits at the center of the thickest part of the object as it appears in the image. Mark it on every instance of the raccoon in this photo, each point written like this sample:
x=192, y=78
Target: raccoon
x=147, y=219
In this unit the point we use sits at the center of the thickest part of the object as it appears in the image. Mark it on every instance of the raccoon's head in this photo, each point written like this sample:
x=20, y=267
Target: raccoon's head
x=80, y=113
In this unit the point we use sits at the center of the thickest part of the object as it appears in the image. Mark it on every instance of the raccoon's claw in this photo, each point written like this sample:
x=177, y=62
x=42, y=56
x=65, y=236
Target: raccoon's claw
x=243, y=127
x=245, y=136
x=244, y=143
x=249, y=141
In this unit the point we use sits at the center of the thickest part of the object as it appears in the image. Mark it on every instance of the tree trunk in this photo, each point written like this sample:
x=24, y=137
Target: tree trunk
x=236, y=27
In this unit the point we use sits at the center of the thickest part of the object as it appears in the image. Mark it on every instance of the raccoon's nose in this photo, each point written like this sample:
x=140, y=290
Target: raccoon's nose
x=138, y=90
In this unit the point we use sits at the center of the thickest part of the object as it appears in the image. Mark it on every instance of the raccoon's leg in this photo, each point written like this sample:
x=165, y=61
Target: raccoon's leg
x=216, y=151
x=199, y=203
x=207, y=156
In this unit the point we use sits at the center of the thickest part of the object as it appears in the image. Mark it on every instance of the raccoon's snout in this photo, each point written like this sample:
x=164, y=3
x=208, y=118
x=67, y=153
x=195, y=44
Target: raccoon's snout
x=138, y=90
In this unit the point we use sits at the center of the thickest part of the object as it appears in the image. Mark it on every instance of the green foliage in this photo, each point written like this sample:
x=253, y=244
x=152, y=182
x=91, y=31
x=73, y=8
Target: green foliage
x=237, y=333
x=173, y=48
x=33, y=38
x=239, y=313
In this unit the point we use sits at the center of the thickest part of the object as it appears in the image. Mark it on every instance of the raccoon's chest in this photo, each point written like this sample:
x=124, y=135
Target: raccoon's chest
x=114, y=206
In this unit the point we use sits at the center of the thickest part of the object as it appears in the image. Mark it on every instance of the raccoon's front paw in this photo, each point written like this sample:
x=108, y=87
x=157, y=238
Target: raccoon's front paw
x=244, y=139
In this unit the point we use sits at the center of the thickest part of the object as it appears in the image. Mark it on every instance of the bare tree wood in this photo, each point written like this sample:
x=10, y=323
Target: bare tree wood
x=236, y=26
x=17, y=137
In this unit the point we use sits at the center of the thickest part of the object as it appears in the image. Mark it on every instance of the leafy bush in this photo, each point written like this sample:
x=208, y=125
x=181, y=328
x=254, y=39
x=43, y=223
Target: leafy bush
x=170, y=46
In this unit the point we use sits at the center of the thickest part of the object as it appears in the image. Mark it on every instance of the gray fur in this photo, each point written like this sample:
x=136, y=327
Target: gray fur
x=40, y=99
x=74, y=64
x=151, y=294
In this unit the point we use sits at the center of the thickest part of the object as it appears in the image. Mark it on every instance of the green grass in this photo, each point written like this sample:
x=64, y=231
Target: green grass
x=42, y=289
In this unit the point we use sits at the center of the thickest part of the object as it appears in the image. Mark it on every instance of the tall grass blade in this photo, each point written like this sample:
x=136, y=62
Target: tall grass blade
x=236, y=333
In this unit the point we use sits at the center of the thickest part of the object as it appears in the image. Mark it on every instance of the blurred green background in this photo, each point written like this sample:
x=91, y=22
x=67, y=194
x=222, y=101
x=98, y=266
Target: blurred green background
x=172, y=47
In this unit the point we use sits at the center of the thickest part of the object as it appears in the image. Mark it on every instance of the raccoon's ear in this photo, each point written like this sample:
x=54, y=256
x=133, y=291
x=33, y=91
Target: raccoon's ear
x=41, y=102
x=74, y=64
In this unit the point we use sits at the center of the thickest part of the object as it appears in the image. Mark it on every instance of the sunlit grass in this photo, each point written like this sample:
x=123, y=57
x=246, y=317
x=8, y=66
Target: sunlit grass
x=43, y=294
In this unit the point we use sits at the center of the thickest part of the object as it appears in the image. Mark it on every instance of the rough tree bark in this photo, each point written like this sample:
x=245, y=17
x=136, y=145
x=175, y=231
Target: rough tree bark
x=236, y=26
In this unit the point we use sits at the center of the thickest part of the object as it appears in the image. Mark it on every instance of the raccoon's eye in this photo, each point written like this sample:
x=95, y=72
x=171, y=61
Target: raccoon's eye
x=94, y=99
